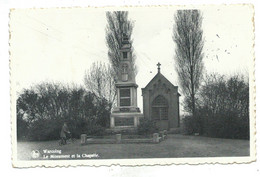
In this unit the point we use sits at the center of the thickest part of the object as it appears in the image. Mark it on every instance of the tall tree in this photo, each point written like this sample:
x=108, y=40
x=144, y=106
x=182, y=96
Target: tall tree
x=99, y=79
x=188, y=37
x=117, y=25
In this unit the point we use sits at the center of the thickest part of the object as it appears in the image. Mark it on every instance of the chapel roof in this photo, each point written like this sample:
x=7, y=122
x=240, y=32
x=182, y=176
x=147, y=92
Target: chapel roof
x=158, y=76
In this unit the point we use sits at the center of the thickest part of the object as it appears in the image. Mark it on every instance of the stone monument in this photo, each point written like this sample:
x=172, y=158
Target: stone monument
x=126, y=114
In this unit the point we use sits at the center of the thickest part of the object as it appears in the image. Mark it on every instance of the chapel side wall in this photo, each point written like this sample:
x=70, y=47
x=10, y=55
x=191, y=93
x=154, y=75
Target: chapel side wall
x=175, y=110
x=146, y=104
x=171, y=110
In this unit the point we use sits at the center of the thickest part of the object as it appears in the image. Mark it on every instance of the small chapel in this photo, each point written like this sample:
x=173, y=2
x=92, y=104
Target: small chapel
x=160, y=97
x=161, y=102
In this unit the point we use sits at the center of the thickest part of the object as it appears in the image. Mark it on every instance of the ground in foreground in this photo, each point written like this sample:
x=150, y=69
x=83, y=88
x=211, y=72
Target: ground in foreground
x=174, y=146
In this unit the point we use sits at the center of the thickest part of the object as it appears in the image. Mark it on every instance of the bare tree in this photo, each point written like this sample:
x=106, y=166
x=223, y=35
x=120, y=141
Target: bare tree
x=100, y=80
x=224, y=107
x=117, y=25
x=188, y=37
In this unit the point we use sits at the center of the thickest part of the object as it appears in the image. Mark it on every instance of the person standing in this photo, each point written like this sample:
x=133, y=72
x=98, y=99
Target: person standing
x=63, y=133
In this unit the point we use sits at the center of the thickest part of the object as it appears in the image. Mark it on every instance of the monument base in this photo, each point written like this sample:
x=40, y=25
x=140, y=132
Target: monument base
x=125, y=120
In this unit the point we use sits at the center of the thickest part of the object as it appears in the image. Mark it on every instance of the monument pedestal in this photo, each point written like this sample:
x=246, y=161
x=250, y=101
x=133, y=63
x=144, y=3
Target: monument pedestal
x=125, y=120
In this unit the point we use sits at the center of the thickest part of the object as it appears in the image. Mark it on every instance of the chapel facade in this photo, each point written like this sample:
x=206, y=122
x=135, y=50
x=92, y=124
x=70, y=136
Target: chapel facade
x=161, y=102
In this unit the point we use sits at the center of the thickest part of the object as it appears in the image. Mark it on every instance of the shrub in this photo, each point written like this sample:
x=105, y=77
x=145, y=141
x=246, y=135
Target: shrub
x=22, y=129
x=96, y=130
x=146, y=127
x=226, y=125
x=190, y=125
x=41, y=130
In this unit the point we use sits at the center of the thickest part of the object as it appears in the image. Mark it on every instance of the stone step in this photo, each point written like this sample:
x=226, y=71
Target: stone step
x=122, y=130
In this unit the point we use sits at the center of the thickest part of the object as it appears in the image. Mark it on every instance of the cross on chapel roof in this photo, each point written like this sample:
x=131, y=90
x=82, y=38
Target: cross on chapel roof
x=158, y=64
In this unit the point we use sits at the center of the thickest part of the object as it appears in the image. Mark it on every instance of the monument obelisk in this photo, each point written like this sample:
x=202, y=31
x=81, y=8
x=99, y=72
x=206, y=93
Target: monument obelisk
x=126, y=114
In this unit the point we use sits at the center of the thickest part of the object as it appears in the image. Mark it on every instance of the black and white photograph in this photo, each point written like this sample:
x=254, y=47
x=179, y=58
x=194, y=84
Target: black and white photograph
x=132, y=85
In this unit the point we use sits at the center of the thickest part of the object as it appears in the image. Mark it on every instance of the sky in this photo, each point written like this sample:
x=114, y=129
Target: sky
x=59, y=45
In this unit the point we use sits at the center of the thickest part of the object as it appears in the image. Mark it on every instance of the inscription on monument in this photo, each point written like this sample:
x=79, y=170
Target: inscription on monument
x=119, y=121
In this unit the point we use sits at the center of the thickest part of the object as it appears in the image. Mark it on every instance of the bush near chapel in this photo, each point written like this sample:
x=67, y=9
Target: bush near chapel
x=42, y=110
x=146, y=127
x=223, y=109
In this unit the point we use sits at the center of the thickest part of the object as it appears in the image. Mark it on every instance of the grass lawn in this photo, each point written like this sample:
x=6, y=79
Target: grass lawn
x=173, y=146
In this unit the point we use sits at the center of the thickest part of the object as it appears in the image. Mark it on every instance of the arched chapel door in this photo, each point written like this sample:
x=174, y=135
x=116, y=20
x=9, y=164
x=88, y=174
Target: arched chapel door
x=160, y=108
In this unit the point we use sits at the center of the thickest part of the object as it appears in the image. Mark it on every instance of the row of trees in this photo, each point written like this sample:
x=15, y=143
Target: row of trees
x=222, y=109
x=42, y=110
x=218, y=105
